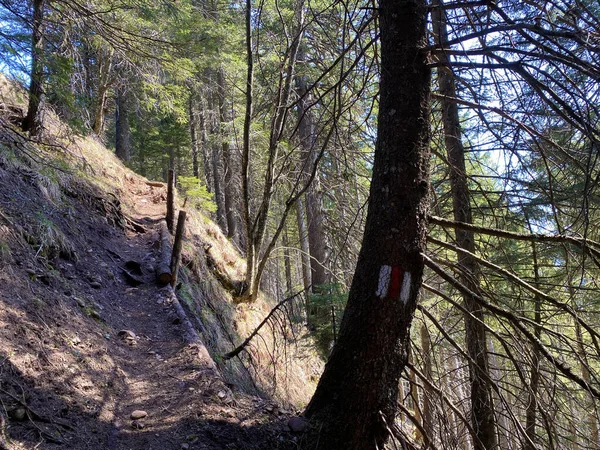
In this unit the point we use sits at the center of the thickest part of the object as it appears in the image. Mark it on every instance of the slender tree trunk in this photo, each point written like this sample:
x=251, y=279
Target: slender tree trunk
x=534, y=379
x=251, y=257
x=427, y=393
x=591, y=421
x=482, y=407
x=287, y=263
x=314, y=215
x=217, y=168
x=228, y=166
x=205, y=148
x=415, y=398
x=105, y=61
x=257, y=226
x=304, y=256
x=193, y=122
x=122, y=129
x=355, y=403
x=33, y=119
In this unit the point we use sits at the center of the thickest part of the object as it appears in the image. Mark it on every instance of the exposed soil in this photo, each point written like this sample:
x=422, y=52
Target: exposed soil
x=82, y=348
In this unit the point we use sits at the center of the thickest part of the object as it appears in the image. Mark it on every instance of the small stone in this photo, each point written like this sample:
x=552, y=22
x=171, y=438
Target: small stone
x=31, y=272
x=19, y=413
x=96, y=284
x=138, y=414
x=127, y=334
x=297, y=425
x=138, y=425
x=185, y=446
x=222, y=394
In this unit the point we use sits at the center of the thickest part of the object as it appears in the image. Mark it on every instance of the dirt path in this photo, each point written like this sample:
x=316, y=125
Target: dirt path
x=96, y=349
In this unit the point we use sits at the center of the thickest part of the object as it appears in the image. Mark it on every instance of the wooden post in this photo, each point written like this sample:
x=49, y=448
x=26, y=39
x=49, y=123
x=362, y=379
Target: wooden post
x=177, y=247
x=171, y=201
x=163, y=267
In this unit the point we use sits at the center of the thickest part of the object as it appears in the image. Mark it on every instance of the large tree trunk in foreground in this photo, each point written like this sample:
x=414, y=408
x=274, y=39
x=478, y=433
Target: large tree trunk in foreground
x=482, y=407
x=33, y=119
x=354, y=405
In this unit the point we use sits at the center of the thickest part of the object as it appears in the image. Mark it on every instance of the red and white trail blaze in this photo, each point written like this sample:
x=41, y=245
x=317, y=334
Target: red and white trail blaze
x=394, y=283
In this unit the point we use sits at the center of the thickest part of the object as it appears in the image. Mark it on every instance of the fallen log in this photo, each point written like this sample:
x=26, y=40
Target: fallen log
x=163, y=267
x=159, y=184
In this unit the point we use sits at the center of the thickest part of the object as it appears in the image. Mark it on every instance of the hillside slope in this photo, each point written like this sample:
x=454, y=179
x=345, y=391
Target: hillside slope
x=83, y=345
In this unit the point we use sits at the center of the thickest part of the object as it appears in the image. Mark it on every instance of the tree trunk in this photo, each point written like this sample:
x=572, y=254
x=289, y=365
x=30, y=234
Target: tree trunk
x=105, y=60
x=314, y=215
x=217, y=166
x=287, y=263
x=355, y=402
x=427, y=392
x=228, y=166
x=534, y=380
x=163, y=265
x=193, y=122
x=205, y=148
x=170, y=217
x=33, y=119
x=304, y=255
x=122, y=129
x=482, y=408
x=415, y=398
x=217, y=170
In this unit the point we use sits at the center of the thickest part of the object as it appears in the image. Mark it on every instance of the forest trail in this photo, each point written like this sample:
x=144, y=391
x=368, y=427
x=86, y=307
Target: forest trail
x=91, y=349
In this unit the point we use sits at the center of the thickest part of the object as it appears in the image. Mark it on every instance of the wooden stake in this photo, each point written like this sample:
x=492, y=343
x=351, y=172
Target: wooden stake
x=163, y=267
x=171, y=201
x=177, y=247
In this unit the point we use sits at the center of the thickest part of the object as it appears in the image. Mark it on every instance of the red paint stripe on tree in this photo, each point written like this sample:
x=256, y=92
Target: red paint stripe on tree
x=395, y=283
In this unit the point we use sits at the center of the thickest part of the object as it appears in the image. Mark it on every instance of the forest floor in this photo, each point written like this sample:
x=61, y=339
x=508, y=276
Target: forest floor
x=83, y=352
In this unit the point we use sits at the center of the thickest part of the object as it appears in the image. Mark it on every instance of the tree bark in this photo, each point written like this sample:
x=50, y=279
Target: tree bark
x=287, y=263
x=33, y=119
x=217, y=163
x=428, y=394
x=534, y=379
x=171, y=201
x=415, y=398
x=105, y=61
x=193, y=123
x=355, y=402
x=314, y=215
x=482, y=407
x=228, y=165
x=163, y=266
x=205, y=148
x=122, y=129
x=305, y=257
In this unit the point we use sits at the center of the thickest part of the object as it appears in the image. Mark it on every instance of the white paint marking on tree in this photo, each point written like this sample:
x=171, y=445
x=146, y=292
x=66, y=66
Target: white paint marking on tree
x=384, y=281
x=405, y=292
